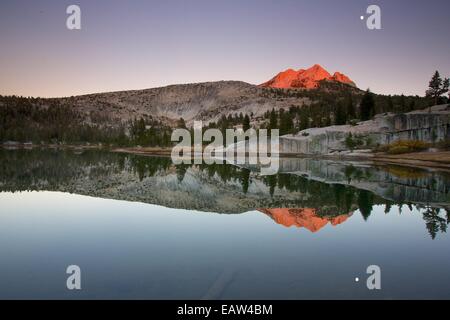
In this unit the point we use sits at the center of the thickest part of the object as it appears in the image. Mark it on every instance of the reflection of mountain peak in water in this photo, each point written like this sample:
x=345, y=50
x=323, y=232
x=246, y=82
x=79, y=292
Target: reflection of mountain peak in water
x=395, y=183
x=331, y=187
x=303, y=218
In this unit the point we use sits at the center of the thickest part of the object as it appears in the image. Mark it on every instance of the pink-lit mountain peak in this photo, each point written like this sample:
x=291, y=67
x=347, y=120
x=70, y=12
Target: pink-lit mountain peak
x=307, y=79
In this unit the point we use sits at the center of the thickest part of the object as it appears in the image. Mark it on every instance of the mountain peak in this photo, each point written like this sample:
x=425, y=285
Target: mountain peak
x=317, y=67
x=307, y=79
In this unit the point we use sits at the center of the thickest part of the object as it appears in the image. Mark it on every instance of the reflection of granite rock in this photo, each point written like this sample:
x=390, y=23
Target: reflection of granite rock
x=137, y=178
x=399, y=184
x=301, y=183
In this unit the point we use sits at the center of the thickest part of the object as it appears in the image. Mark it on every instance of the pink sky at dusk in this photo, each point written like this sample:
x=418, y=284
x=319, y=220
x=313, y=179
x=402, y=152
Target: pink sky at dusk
x=144, y=44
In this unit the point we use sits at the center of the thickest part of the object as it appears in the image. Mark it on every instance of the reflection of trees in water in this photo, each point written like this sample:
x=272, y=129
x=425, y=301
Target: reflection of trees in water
x=49, y=169
x=343, y=198
x=225, y=172
x=181, y=172
x=147, y=166
x=329, y=199
x=271, y=182
x=245, y=179
x=365, y=203
x=357, y=174
x=387, y=206
x=35, y=169
x=434, y=222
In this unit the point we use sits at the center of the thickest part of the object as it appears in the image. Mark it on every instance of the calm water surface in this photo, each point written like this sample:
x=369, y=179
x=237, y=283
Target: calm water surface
x=140, y=227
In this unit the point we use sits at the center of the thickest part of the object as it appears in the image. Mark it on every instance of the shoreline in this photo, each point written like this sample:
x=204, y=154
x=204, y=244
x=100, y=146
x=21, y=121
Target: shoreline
x=438, y=159
x=423, y=159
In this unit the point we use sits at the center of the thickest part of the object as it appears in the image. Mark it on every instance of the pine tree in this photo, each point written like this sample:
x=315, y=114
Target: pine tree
x=390, y=104
x=246, y=123
x=286, y=123
x=446, y=87
x=273, y=121
x=437, y=88
x=223, y=124
x=317, y=122
x=367, y=106
x=402, y=103
x=340, y=116
x=304, y=121
x=351, y=113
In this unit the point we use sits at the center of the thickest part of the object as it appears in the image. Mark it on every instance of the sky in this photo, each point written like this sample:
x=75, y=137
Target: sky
x=125, y=45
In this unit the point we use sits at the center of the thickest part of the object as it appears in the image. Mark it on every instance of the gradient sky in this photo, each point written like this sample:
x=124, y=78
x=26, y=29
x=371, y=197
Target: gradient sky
x=141, y=44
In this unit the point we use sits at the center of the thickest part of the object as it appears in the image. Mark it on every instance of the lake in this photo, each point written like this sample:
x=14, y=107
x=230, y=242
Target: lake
x=140, y=227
